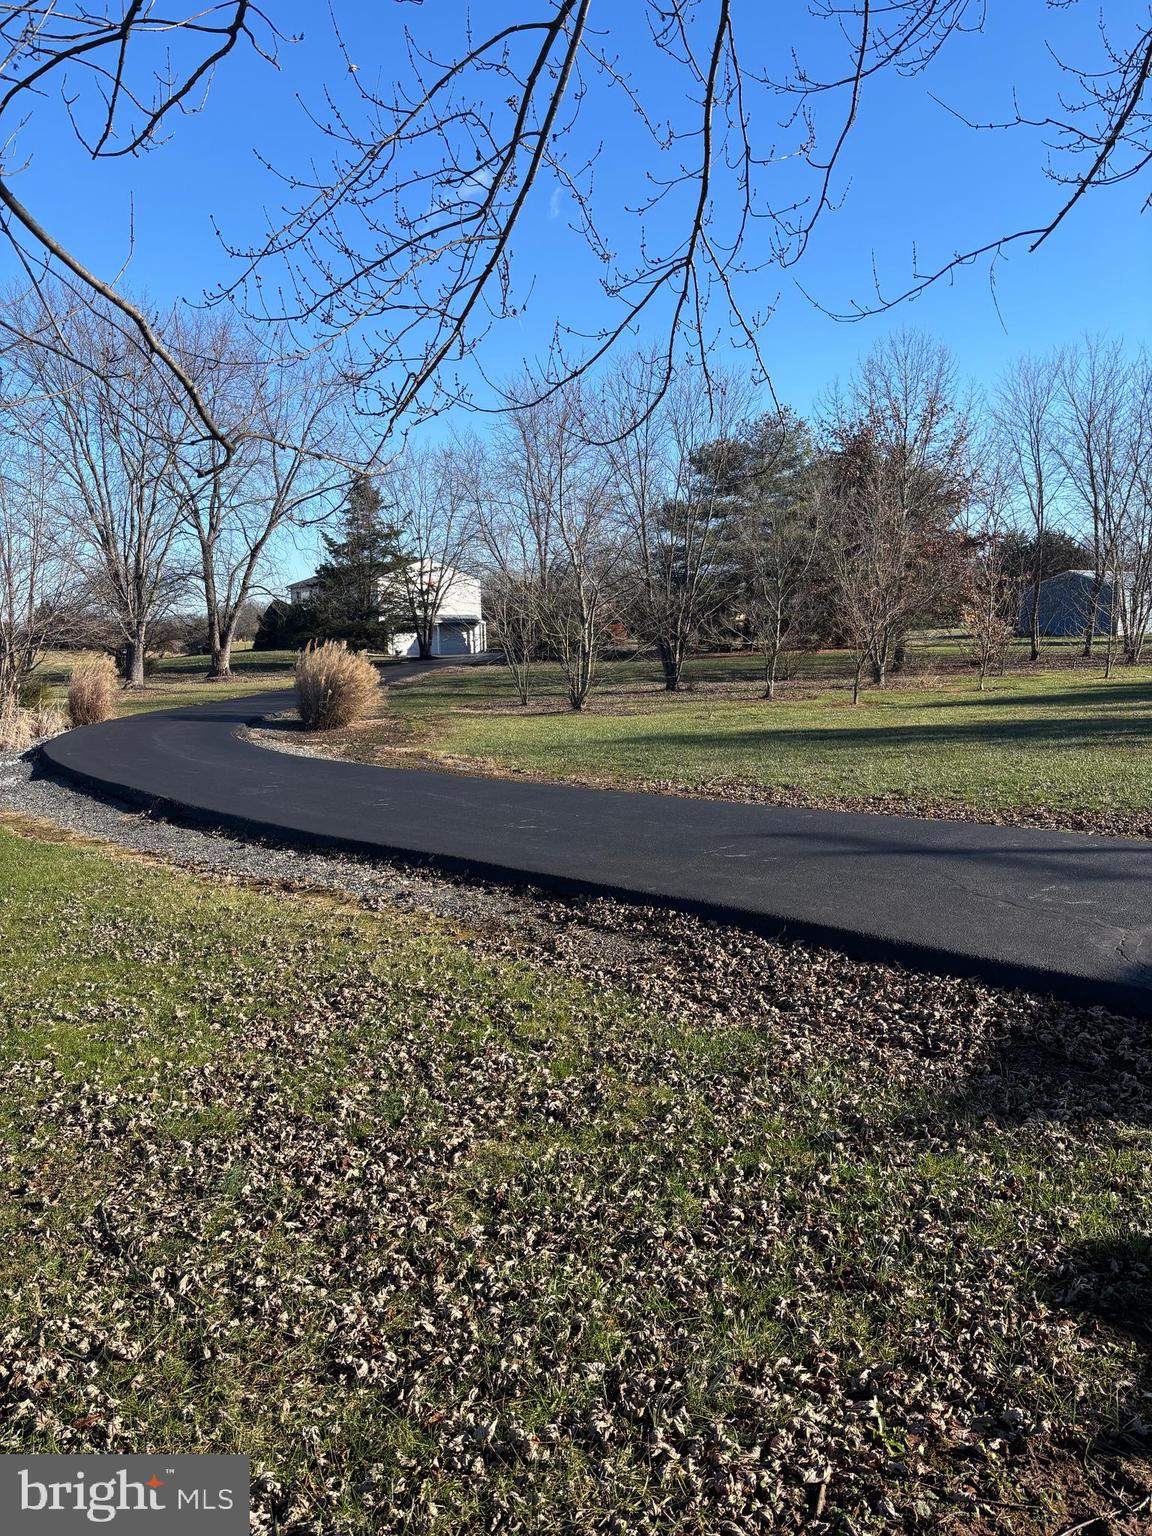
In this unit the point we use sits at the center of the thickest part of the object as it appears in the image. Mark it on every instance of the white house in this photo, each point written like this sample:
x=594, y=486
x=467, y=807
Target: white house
x=459, y=629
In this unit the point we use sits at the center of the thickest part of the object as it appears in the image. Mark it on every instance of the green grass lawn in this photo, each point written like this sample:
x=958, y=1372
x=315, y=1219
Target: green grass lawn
x=1064, y=739
x=447, y=1233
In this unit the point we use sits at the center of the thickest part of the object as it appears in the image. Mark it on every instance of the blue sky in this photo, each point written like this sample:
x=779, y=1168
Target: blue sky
x=917, y=179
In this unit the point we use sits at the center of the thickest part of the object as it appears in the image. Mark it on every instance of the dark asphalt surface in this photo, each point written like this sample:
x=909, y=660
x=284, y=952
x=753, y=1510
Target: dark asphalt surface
x=1057, y=912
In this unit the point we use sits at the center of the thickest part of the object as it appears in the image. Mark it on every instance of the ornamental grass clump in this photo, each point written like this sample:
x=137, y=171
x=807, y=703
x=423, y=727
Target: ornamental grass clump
x=92, y=690
x=47, y=720
x=334, y=686
x=15, y=730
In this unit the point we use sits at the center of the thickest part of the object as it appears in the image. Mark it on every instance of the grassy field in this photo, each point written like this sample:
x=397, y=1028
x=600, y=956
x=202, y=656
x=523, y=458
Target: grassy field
x=457, y=1235
x=1062, y=738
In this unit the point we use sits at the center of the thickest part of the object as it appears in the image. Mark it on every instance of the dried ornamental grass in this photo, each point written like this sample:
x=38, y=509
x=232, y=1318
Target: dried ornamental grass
x=92, y=690
x=47, y=720
x=15, y=731
x=334, y=686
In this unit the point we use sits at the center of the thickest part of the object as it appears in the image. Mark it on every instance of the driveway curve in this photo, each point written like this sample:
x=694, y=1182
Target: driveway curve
x=1056, y=912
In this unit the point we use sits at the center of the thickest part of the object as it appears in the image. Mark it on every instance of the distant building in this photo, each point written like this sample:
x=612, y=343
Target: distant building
x=459, y=630
x=1065, y=604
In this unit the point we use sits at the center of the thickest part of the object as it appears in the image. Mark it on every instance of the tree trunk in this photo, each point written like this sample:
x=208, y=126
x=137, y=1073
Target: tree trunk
x=10, y=681
x=1093, y=610
x=221, y=663
x=671, y=663
x=580, y=674
x=1110, y=649
x=134, y=658
x=220, y=638
x=1034, y=617
x=770, y=664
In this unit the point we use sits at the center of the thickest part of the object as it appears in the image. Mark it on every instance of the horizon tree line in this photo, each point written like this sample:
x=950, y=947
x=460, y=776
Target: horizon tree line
x=682, y=516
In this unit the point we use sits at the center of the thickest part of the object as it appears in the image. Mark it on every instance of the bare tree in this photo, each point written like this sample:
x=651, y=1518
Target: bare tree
x=780, y=542
x=990, y=586
x=37, y=572
x=110, y=433
x=409, y=234
x=673, y=456
x=1133, y=580
x=284, y=419
x=1024, y=412
x=514, y=553
x=556, y=522
x=1122, y=451
x=872, y=549
x=1097, y=432
x=512, y=607
x=124, y=72
x=898, y=479
x=427, y=490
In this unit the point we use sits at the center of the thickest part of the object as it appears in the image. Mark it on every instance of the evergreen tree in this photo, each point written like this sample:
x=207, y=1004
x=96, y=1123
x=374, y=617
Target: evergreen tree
x=1055, y=551
x=358, y=594
x=759, y=485
x=285, y=626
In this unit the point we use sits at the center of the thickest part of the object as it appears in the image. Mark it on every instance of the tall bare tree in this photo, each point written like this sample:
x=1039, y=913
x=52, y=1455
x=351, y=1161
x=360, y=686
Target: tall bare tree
x=898, y=479
x=990, y=582
x=37, y=570
x=110, y=431
x=124, y=72
x=409, y=234
x=557, y=527
x=428, y=494
x=1124, y=471
x=513, y=550
x=1134, y=563
x=1094, y=442
x=1024, y=411
x=285, y=419
x=671, y=503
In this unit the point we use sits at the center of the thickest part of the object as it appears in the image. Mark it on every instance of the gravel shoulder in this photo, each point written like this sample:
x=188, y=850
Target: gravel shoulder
x=25, y=793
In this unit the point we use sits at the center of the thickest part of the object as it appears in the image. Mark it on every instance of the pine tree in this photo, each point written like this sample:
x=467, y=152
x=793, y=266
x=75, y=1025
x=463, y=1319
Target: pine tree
x=358, y=591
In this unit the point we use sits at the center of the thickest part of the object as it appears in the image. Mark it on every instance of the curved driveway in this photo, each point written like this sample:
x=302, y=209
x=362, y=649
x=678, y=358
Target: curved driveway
x=1058, y=912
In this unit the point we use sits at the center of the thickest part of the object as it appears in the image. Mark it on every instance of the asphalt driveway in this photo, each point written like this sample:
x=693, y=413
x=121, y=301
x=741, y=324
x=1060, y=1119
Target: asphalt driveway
x=1059, y=912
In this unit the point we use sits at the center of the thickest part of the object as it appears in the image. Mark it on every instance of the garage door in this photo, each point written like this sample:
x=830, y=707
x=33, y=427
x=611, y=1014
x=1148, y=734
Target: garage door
x=454, y=640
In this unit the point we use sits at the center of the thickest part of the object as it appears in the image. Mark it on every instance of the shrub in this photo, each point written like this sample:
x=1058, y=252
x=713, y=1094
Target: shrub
x=92, y=690
x=47, y=720
x=334, y=686
x=15, y=731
